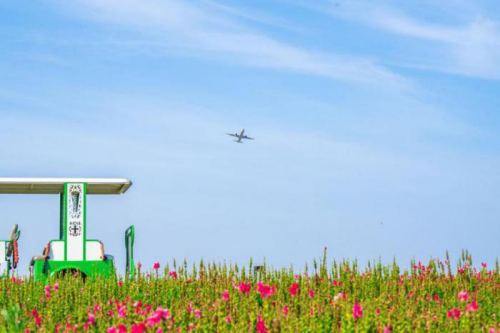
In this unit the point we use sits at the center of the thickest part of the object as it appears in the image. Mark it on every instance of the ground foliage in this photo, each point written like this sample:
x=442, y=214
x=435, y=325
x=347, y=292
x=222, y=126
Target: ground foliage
x=224, y=297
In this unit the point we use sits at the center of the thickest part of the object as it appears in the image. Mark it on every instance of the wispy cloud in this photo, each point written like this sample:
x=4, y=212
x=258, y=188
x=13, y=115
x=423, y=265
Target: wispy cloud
x=469, y=46
x=217, y=32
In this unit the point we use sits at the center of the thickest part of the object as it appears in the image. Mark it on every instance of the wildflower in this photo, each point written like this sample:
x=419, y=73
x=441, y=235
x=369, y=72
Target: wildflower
x=311, y=293
x=387, y=329
x=111, y=329
x=228, y=319
x=461, y=270
x=337, y=297
x=122, y=328
x=38, y=320
x=294, y=289
x=47, y=291
x=265, y=291
x=484, y=264
x=285, y=310
x=261, y=325
x=138, y=328
x=156, y=266
x=121, y=312
x=244, y=288
x=91, y=319
x=225, y=295
x=357, y=311
x=377, y=311
x=172, y=274
x=154, y=319
x=197, y=313
x=56, y=287
x=454, y=313
x=463, y=296
x=472, y=307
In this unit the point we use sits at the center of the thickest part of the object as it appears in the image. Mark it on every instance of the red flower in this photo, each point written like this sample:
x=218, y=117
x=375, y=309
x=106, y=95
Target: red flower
x=311, y=293
x=294, y=289
x=244, y=288
x=138, y=328
x=285, y=310
x=454, y=313
x=173, y=274
x=156, y=265
x=357, y=311
x=225, y=295
x=265, y=291
x=91, y=319
x=261, y=325
x=472, y=307
x=463, y=296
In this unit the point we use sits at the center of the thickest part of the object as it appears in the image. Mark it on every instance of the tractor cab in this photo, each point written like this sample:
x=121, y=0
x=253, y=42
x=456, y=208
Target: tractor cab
x=73, y=251
x=9, y=253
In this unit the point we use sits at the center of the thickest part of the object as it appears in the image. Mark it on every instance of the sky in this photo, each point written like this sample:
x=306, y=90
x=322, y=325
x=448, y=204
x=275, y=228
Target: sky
x=376, y=126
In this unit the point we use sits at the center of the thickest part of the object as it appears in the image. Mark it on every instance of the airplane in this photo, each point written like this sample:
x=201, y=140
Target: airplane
x=240, y=136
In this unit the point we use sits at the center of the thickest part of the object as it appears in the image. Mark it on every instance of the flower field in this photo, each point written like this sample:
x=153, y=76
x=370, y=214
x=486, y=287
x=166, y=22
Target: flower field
x=338, y=296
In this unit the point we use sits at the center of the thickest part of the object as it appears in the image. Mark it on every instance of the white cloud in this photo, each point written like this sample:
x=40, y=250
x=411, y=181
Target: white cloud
x=207, y=30
x=470, y=47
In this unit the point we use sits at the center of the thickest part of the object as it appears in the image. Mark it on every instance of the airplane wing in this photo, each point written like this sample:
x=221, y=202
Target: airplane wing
x=235, y=135
x=248, y=138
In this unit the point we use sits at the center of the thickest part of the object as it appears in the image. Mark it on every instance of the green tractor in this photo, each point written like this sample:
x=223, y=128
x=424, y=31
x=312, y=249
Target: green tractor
x=73, y=252
x=9, y=253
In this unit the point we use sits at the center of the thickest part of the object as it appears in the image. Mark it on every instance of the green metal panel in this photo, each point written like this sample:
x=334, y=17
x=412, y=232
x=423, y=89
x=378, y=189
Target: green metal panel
x=61, y=216
x=65, y=213
x=46, y=269
x=129, y=247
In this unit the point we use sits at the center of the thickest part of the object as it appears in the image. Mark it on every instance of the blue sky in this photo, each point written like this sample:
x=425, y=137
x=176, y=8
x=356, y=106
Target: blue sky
x=376, y=125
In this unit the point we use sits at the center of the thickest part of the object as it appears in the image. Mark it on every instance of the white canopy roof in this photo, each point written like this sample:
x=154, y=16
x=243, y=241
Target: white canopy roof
x=56, y=185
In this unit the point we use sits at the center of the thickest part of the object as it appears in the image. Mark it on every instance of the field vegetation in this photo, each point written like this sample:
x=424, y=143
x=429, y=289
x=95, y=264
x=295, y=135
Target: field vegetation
x=339, y=296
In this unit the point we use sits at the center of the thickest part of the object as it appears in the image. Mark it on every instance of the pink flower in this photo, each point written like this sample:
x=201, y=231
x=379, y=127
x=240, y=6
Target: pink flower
x=121, y=312
x=197, y=313
x=138, y=328
x=156, y=265
x=337, y=297
x=357, y=311
x=244, y=288
x=484, y=264
x=56, y=287
x=285, y=310
x=261, y=325
x=111, y=329
x=463, y=296
x=294, y=289
x=454, y=313
x=225, y=295
x=228, y=319
x=311, y=293
x=377, y=311
x=265, y=291
x=122, y=328
x=91, y=319
x=173, y=274
x=387, y=329
x=472, y=307
x=461, y=270
x=154, y=319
